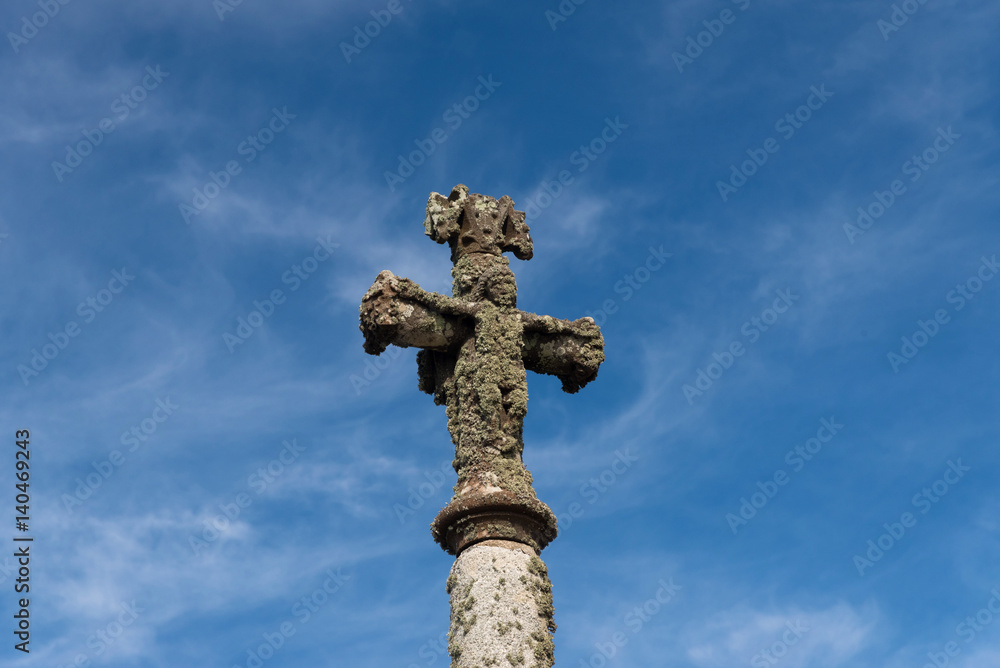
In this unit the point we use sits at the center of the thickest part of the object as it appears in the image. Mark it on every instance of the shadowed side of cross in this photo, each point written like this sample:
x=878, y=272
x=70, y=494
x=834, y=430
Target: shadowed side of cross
x=475, y=348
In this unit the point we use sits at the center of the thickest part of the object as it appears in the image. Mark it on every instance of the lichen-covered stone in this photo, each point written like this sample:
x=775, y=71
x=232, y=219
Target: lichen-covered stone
x=506, y=590
x=475, y=349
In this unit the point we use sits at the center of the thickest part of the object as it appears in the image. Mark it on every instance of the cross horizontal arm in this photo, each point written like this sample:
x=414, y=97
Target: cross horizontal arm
x=397, y=311
x=572, y=351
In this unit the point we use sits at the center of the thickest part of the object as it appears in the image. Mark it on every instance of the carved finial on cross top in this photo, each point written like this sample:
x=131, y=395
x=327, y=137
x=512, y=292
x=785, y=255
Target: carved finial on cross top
x=475, y=348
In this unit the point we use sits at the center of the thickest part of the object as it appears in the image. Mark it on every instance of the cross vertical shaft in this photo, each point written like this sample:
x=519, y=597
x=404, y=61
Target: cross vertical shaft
x=475, y=347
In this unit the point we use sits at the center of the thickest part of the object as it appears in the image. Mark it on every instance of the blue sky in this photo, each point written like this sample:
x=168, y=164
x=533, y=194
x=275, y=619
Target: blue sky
x=757, y=201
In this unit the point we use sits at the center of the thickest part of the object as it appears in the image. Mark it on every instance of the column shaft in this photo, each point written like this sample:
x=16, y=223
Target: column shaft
x=501, y=608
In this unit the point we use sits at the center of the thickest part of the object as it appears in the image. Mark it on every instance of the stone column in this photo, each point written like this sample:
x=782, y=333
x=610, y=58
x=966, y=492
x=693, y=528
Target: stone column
x=501, y=607
x=476, y=349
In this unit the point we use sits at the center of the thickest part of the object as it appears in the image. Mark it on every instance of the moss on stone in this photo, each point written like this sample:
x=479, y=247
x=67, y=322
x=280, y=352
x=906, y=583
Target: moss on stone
x=476, y=349
x=542, y=589
x=460, y=605
x=543, y=648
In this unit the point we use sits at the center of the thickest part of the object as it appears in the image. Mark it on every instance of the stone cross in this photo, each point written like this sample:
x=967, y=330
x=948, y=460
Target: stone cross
x=474, y=349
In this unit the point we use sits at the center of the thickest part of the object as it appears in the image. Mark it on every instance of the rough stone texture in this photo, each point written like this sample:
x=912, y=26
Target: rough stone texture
x=475, y=349
x=501, y=608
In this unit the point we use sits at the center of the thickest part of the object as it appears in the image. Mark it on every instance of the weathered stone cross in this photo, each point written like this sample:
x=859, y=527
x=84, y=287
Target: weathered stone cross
x=475, y=348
